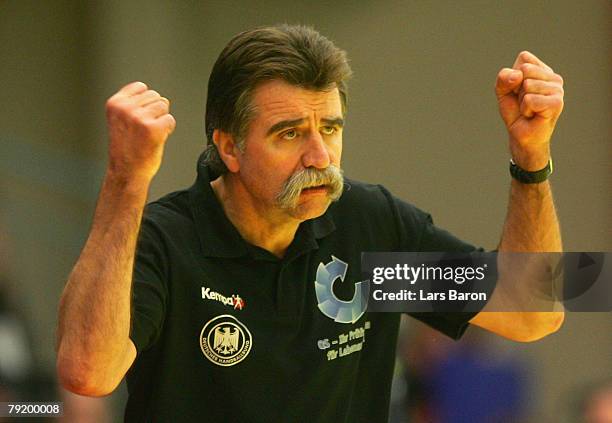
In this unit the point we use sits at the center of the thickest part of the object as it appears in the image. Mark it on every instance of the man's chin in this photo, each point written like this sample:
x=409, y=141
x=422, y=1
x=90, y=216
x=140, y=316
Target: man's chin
x=310, y=209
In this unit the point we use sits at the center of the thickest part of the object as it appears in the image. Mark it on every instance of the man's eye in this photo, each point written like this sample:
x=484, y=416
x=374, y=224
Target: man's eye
x=289, y=135
x=328, y=130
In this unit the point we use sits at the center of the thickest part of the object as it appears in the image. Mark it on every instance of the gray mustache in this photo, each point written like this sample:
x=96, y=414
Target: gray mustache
x=311, y=177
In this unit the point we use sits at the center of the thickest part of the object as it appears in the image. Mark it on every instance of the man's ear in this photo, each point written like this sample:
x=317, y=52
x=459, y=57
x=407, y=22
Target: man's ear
x=227, y=148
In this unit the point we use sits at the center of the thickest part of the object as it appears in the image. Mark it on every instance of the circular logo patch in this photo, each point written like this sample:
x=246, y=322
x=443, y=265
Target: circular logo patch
x=225, y=341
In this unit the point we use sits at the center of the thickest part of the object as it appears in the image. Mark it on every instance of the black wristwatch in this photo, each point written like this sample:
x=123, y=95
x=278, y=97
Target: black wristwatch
x=527, y=177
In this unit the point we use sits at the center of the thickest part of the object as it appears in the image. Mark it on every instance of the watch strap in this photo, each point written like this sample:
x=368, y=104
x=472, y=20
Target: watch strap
x=527, y=177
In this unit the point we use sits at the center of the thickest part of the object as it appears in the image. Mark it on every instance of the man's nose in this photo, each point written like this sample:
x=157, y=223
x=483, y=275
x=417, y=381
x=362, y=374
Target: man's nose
x=316, y=153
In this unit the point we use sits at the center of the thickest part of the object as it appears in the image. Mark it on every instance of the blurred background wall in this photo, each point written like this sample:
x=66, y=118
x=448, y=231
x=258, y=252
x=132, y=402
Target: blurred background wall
x=422, y=120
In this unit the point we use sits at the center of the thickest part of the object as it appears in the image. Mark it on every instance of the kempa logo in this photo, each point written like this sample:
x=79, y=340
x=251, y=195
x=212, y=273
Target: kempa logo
x=234, y=301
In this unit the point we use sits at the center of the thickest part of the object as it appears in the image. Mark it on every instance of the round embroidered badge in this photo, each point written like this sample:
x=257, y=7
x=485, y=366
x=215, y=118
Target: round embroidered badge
x=225, y=341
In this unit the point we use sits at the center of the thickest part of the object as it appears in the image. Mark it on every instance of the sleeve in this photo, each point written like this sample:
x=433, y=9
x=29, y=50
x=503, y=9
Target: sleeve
x=149, y=289
x=417, y=232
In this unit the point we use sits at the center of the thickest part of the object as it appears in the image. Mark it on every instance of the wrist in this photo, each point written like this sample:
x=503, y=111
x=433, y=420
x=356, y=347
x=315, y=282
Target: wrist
x=530, y=158
x=528, y=177
x=122, y=182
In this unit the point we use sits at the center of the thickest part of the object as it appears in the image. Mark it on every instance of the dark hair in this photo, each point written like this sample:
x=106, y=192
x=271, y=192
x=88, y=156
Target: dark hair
x=296, y=54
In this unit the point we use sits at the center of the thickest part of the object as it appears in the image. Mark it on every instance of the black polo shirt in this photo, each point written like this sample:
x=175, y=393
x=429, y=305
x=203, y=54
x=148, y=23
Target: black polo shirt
x=226, y=331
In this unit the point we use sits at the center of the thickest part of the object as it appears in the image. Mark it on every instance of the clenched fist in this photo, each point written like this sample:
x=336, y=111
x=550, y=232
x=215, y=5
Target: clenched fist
x=139, y=123
x=530, y=97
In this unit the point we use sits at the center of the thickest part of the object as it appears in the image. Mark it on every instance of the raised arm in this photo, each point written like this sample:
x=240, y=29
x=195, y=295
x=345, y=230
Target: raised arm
x=530, y=97
x=94, y=349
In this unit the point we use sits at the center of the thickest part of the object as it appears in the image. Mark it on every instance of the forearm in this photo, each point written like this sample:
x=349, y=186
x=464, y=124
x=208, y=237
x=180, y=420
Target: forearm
x=94, y=314
x=531, y=226
x=531, y=223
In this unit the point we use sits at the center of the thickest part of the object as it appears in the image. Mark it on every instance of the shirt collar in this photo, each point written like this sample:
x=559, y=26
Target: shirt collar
x=220, y=238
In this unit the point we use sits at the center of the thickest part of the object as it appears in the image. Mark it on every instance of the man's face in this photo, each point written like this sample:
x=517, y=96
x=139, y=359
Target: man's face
x=293, y=142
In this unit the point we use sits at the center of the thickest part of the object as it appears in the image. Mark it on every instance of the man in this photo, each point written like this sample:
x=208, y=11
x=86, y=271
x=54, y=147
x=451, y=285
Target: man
x=219, y=306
